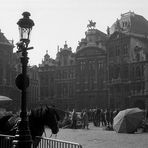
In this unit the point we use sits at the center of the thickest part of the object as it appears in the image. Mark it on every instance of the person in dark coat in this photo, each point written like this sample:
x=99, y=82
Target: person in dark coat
x=107, y=116
x=74, y=119
x=93, y=117
x=111, y=117
x=85, y=120
x=97, y=116
x=102, y=117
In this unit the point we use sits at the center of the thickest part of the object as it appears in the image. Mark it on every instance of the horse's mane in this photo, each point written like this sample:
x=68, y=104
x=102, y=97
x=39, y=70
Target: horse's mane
x=39, y=112
x=36, y=121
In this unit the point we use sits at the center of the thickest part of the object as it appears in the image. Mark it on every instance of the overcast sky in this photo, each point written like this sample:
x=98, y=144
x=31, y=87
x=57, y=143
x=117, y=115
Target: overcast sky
x=57, y=21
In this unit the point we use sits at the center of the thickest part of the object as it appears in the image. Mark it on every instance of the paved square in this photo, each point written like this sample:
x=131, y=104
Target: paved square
x=96, y=137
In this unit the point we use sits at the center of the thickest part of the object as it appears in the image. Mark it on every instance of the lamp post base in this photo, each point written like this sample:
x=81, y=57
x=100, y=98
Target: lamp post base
x=23, y=137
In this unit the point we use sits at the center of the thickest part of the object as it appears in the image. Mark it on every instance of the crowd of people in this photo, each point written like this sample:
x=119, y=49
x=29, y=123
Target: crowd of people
x=98, y=116
x=101, y=117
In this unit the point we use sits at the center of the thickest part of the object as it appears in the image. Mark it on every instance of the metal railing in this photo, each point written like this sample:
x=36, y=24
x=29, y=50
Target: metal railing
x=6, y=142
x=55, y=143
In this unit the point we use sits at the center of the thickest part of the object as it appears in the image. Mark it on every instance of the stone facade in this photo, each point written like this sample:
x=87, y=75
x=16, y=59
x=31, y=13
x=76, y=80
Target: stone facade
x=105, y=70
x=78, y=77
x=8, y=74
x=127, y=51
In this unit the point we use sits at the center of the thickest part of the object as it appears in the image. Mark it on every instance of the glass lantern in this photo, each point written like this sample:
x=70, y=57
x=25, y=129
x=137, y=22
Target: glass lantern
x=25, y=25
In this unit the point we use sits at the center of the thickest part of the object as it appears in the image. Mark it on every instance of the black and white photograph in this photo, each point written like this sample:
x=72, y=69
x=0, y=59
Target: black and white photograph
x=73, y=74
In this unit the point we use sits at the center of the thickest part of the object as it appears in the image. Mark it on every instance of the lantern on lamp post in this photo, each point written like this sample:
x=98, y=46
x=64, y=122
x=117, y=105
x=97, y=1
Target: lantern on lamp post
x=23, y=137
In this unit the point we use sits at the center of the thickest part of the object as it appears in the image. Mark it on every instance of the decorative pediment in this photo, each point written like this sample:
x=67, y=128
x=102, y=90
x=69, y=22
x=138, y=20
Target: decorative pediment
x=90, y=52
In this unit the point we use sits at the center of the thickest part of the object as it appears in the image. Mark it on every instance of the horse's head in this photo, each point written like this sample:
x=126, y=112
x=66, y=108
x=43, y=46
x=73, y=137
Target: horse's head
x=51, y=119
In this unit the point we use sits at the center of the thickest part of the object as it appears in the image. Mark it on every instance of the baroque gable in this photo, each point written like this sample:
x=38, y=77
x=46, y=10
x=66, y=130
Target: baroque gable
x=86, y=52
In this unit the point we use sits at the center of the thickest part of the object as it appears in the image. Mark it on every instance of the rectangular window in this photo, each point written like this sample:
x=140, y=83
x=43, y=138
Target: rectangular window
x=117, y=51
x=111, y=53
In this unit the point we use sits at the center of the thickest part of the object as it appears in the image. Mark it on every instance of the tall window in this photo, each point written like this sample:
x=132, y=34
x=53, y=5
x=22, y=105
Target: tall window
x=117, y=51
x=82, y=65
x=138, y=56
x=125, y=72
x=111, y=52
x=125, y=49
x=138, y=73
x=65, y=60
x=116, y=71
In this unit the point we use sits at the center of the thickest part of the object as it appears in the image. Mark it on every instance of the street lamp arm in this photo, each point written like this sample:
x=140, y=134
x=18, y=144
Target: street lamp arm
x=21, y=46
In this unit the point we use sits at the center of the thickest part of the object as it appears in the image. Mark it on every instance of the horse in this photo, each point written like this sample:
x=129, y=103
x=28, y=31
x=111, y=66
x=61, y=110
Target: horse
x=38, y=119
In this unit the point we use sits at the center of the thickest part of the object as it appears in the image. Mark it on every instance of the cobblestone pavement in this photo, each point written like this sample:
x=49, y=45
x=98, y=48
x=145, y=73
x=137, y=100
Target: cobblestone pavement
x=96, y=137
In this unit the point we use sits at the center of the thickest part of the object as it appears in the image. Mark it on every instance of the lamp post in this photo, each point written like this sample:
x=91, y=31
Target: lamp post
x=23, y=137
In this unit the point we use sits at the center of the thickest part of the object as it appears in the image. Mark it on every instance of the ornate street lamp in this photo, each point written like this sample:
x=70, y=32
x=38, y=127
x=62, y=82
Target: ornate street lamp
x=23, y=137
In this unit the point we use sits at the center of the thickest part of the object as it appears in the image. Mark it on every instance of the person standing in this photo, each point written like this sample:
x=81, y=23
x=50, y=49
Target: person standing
x=85, y=119
x=74, y=119
x=111, y=117
x=97, y=116
x=102, y=116
x=94, y=117
x=107, y=116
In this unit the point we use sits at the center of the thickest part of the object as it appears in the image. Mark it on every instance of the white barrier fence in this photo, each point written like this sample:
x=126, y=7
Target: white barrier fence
x=55, y=143
x=6, y=142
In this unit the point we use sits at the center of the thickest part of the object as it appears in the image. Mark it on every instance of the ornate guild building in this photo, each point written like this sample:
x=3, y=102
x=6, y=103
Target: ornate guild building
x=127, y=54
x=105, y=70
x=8, y=73
x=77, y=79
x=91, y=69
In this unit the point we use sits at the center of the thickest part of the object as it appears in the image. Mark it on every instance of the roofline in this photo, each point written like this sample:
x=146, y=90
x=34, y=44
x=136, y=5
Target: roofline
x=133, y=34
x=86, y=47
